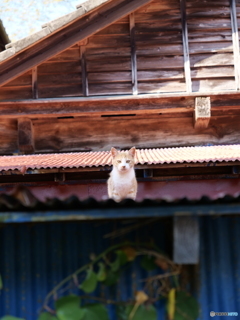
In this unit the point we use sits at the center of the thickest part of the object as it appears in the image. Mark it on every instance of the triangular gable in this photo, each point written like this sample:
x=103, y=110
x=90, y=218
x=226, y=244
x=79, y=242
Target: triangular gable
x=61, y=34
x=143, y=52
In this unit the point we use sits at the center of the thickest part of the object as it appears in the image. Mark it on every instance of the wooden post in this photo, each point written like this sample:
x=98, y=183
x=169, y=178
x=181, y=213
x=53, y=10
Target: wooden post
x=34, y=83
x=202, y=112
x=187, y=68
x=186, y=240
x=84, y=71
x=25, y=135
x=133, y=53
x=235, y=40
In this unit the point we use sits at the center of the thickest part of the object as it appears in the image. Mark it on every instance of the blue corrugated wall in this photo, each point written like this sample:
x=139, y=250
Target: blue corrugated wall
x=35, y=257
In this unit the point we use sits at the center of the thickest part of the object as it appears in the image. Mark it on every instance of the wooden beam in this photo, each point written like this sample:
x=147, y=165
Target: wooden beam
x=187, y=68
x=186, y=240
x=34, y=83
x=84, y=71
x=67, y=37
x=235, y=40
x=202, y=112
x=25, y=136
x=133, y=53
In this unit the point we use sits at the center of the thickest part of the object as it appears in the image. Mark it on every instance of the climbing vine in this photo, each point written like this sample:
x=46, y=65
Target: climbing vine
x=105, y=270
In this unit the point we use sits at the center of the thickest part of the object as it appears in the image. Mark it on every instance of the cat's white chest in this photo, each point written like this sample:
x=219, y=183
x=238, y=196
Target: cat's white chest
x=123, y=182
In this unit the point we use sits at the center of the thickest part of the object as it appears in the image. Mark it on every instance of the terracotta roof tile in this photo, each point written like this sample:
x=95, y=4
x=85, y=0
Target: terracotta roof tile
x=103, y=158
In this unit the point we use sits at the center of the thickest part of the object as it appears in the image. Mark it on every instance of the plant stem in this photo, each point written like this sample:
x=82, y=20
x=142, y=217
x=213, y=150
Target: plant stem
x=83, y=268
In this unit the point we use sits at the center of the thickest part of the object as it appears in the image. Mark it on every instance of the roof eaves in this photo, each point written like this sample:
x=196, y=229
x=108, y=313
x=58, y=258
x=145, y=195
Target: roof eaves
x=49, y=28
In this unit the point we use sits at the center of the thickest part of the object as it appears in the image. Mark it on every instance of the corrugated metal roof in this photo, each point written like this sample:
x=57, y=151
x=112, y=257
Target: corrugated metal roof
x=21, y=206
x=103, y=158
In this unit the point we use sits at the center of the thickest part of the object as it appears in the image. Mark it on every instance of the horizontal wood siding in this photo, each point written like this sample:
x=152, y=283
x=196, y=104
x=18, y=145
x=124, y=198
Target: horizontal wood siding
x=61, y=75
x=124, y=132
x=210, y=45
x=19, y=88
x=159, y=47
x=108, y=60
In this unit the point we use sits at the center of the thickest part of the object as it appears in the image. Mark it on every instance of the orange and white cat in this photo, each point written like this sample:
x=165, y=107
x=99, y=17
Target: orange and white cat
x=122, y=183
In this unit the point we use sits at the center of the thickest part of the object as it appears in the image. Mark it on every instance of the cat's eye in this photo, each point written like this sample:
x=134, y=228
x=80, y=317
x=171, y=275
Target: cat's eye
x=119, y=161
x=128, y=161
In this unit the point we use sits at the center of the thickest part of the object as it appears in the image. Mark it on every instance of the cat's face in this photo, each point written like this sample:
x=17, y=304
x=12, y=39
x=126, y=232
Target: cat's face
x=124, y=160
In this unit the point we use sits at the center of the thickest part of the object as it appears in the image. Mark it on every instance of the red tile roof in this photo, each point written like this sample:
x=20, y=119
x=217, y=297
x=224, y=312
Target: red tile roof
x=103, y=158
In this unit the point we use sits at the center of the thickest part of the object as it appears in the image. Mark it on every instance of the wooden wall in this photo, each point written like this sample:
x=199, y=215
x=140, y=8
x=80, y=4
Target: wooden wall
x=144, y=53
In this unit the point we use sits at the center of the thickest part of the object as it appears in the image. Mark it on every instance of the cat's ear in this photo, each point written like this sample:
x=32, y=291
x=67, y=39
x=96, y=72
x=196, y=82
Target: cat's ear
x=114, y=152
x=132, y=152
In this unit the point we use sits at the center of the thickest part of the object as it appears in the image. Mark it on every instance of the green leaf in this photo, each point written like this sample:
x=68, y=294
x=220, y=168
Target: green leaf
x=120, y=260
x=143, y=312
x=112, y=278
x=95, y=312
x=90, y=282
x=186, y=307
x=46, y=316
x=68, y=308
x=1, y=283
x=121, y=312
x=11, y=318
x=102, y=272
x=148, y=263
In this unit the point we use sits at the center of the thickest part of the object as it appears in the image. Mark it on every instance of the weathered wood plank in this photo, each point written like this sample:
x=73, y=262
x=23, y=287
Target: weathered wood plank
x=168, y=86
x=34, y=83
x=111, y=64
x=144, y=48
x=25, y=135
x=76, y=134
x=133, y=54
x=158, y=26
x=60, y=91
x=209, y=23
x=60, y=67
x=212, y=72
x=210, y=36
x=235, y=40
x=158, y=16
x=160, y=75
x=13, y=93
x=202, y=113
x=118, y=76
x=109, y=41
x=110, y=88
x=24, y=80
x=161, y=62
x=59, y=79
x=187, y=69
x=209, y=11
x=222, y=102
x=102, y=53
x=157, y=38
x=204, y=60
x=210, y=47
x=213, y=85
